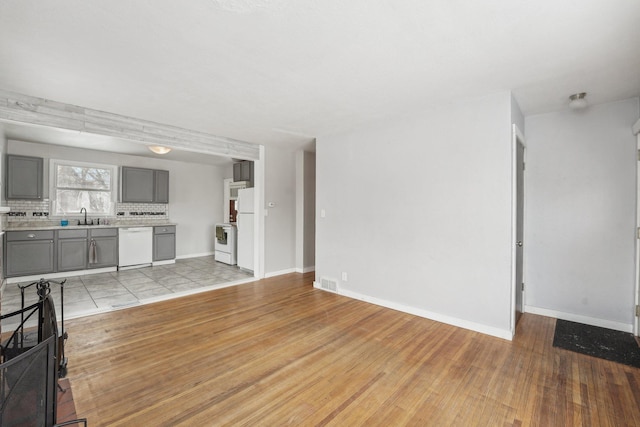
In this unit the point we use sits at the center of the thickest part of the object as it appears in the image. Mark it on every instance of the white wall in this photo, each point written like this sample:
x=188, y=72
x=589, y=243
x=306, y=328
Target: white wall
x=280, y=222
x=517, y=118
x=195, y=190
x=418, y=213
x=580, y=214
x=3, y=151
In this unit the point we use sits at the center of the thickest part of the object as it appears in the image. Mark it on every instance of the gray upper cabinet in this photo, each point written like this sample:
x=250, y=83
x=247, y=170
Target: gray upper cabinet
x=137, y=185
x=24, y=177
x=161, y=186
x=144, y=185
x=243, y=171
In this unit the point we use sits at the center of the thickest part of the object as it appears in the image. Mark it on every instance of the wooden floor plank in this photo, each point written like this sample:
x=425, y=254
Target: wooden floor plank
x=279, y=352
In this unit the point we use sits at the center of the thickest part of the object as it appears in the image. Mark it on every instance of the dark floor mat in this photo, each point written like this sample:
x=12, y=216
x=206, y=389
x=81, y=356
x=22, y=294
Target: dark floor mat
x=617, y=346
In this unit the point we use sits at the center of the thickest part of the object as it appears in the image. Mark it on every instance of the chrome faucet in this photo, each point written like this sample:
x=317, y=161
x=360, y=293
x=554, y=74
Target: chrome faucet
x=85, y=215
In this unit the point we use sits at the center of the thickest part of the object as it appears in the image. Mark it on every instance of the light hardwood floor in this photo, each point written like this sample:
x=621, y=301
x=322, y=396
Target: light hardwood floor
x=278, y=352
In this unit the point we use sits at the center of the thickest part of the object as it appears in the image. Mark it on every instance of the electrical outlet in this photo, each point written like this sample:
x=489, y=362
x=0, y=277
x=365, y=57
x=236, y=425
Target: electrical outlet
x=345, y=278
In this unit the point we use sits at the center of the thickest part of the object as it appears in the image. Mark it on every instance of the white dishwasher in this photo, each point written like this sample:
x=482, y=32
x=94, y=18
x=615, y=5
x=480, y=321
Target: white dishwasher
x=135, y=246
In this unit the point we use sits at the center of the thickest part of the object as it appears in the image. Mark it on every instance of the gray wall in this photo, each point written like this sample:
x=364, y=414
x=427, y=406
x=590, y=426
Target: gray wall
x=195, y=192
x=580, y=214
x=418, y=213
x=280, y=222
x=305, y=211
x=309, y=231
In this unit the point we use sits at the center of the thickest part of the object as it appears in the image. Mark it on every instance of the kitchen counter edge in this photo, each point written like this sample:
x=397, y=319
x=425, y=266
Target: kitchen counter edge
x=84, y=227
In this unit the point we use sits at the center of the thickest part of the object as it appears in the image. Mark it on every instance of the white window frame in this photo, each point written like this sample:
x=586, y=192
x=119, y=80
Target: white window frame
x=53, y=163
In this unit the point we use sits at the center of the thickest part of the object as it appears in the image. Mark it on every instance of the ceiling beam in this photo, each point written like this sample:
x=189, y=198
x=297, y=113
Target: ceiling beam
x=15, y=107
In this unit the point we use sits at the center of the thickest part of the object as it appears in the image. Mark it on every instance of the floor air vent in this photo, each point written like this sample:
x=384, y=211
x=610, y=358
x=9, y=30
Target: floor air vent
x=329, y=284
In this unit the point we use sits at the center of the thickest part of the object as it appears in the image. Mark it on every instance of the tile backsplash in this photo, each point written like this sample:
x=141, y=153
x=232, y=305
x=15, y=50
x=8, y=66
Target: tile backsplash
x=142, y=211
x=35, y=211
x=28, y=210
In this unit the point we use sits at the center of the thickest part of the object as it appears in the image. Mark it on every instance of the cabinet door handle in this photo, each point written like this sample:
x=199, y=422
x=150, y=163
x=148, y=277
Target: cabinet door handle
x=31, y=236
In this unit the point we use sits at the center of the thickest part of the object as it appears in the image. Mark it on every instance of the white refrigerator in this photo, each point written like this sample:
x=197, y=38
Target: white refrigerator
x=244, y=223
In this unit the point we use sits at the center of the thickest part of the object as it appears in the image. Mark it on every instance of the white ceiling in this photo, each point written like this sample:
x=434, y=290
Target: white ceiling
x=281, y=72
x=88, y=141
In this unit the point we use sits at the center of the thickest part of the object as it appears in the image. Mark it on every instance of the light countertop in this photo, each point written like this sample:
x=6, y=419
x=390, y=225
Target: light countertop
x=56, y=226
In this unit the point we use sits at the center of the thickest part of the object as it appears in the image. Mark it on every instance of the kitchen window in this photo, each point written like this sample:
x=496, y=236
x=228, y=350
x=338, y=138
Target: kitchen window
x=77, y=185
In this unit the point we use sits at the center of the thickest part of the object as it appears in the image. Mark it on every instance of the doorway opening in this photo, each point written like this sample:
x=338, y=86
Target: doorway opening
x=518, y=184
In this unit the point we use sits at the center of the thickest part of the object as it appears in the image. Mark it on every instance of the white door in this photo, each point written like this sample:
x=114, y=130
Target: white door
x=519, y=228
x=519, y=244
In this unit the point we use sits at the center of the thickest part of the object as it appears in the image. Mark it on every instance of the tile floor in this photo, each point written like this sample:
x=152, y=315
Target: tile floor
x=95, y=293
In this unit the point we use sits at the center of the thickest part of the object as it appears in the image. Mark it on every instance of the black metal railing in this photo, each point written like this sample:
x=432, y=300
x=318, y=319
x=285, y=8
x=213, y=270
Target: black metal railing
x=32, y=360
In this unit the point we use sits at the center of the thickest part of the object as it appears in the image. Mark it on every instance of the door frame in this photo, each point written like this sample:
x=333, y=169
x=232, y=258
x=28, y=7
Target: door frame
x=516, y=138
x=636, y=319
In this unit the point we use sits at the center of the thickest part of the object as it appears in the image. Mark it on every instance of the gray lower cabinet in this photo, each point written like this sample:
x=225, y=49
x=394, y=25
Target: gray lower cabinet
x=24, y=177
x=90, y=248
x=48, y=251
x=29, y=252
x=164, y=243
x=72, y=250
x=103, y=247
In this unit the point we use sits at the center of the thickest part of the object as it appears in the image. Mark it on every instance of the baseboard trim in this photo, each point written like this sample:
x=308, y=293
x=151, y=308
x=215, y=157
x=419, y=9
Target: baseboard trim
x=449, y=320
x=306, y=269
x=194, y=255
x=133, y=267
x=593, y=321
x=164, y=262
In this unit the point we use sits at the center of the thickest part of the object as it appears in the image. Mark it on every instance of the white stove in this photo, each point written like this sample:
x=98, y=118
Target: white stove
x=225, y=247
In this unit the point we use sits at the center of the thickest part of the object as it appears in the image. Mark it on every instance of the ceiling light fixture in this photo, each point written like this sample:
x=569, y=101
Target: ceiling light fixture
x=159, y=149
x=578, y=101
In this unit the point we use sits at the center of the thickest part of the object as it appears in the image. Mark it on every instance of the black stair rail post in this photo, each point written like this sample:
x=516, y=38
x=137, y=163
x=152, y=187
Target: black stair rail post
x=62, y=364
x=22, y=315
x=43, y=290
x=22, y=288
